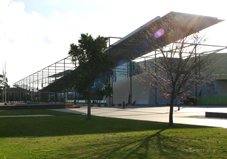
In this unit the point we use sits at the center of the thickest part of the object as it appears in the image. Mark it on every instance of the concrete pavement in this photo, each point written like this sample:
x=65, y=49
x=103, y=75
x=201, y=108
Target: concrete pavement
x=187, y=115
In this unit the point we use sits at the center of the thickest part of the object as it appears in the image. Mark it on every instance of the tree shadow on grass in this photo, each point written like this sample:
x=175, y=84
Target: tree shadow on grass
x=135, y=147
x=62, y=125
x=153, y=144
x=157, y=145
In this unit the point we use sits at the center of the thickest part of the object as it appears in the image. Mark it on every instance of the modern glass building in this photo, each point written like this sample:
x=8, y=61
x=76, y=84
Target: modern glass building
x=52, y=83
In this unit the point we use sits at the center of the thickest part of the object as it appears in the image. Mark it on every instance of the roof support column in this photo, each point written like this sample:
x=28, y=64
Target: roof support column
x=196, y=72
x=130, y=81
x=155, y=69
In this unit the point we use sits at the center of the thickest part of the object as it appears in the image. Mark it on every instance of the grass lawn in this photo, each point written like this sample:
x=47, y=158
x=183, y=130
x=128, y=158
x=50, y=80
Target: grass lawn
x=67, y=136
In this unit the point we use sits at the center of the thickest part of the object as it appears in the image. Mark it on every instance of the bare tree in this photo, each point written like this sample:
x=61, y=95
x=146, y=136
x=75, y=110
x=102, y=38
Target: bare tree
x=177, y=69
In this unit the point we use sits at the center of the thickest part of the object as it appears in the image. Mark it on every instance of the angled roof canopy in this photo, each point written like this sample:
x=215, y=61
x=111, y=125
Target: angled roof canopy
x=157, y=33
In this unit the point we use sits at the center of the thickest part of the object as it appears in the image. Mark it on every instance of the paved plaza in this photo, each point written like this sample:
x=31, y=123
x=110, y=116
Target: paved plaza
x=186, y=115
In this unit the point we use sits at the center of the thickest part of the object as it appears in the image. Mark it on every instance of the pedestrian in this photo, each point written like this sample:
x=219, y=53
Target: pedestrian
x=123, y=104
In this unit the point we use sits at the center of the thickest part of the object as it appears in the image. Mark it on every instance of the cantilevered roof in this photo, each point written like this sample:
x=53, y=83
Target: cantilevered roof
x=157, y=33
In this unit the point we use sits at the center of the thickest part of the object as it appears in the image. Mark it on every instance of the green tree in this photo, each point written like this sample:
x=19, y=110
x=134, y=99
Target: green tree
x=3, y=86
x=92, y=63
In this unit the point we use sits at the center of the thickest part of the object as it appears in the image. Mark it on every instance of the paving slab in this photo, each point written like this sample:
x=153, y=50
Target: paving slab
x=186, y=115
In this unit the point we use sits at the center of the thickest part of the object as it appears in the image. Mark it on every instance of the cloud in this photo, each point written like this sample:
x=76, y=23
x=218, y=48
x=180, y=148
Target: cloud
x=30, y=41
x=32, y=38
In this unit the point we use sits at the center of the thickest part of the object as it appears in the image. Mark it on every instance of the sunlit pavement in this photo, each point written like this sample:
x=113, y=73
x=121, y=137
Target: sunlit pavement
x=186, y=115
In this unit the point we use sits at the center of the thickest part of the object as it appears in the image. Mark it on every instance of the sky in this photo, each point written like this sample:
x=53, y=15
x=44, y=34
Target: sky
x=37, y=33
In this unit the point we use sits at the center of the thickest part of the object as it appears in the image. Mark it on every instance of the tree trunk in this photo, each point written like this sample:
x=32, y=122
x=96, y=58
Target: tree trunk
x=89, y=109
x=171, y=111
